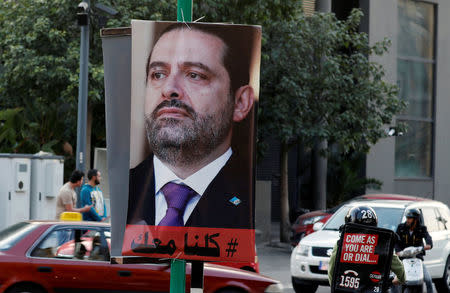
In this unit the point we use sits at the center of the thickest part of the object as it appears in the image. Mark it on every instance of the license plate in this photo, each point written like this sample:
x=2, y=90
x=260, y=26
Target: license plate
x=323, y=266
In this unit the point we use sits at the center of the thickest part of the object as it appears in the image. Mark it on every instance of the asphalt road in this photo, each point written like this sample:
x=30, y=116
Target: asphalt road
x=274, y=261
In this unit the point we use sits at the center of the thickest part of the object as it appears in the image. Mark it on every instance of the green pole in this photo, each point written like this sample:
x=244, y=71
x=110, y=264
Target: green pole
x=178, y=276
x=184, y=10
x=178, y=266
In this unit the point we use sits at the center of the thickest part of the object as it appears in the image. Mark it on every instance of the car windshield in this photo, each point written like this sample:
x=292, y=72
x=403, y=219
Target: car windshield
x=13, y=234
x=388, y=218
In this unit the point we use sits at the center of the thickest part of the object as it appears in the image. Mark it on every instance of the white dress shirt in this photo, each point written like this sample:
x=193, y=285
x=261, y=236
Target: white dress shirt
x=198, y=181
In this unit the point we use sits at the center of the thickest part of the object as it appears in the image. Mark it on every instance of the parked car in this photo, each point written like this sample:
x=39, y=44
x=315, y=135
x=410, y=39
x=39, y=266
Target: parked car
x=310, y=258
x=304, y=225
x=33, y=258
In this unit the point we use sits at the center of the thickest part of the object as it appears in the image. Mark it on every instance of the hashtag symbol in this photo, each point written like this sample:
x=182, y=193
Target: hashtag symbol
x=231, y=247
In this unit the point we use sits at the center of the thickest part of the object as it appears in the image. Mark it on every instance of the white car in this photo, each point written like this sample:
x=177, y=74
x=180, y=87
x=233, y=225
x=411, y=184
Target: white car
x=309, y=259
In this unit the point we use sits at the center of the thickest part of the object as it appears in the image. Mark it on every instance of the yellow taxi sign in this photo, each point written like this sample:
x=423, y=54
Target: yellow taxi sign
x=71, y=216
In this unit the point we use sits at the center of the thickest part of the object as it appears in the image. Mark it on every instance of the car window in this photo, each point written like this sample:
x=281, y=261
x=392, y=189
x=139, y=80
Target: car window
x=388, y=218
x=13, y=234
x=337, y=220
x=73, y=243
x=430, y=219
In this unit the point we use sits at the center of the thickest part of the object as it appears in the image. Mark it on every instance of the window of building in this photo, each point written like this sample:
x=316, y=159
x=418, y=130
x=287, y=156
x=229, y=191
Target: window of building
x=416, y=79
x=309, y=6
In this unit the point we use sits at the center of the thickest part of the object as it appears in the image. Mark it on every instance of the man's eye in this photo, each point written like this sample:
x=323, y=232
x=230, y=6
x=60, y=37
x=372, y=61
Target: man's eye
x=158, y=75
x=196, y=76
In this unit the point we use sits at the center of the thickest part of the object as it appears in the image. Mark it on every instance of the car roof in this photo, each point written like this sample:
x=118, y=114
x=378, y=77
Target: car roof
x=389, y=196
x=395, y=203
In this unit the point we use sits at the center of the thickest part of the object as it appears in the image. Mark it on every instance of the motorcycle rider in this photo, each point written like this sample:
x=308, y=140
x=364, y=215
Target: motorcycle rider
x=358, y=215
x=412, y=233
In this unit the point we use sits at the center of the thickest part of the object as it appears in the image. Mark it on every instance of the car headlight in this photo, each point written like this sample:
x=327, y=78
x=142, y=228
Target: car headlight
x=302, y=250
x=274, y=288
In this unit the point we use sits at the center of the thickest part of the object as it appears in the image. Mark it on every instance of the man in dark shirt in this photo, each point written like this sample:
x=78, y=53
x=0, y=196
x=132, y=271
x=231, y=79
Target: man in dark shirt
x=412, y=233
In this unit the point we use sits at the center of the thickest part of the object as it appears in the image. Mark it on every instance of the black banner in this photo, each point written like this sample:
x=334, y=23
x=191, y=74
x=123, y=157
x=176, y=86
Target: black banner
x=363, y=259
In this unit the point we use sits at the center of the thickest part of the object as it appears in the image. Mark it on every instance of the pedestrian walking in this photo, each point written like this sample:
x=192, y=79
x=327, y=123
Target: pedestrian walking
x=91, y=194
x=66, y=201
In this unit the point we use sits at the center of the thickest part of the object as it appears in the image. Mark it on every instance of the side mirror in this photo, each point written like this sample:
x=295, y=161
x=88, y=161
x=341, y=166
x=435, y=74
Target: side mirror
x=317, y=226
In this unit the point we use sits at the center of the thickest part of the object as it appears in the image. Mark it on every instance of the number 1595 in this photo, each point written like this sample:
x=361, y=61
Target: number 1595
x=349, y=282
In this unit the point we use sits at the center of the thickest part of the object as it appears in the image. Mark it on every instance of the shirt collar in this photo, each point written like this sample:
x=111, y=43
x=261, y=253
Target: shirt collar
x=198, y=181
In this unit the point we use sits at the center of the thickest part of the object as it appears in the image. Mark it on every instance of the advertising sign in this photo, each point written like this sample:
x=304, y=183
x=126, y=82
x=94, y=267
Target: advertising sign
x=363, y=259
x=194, y=89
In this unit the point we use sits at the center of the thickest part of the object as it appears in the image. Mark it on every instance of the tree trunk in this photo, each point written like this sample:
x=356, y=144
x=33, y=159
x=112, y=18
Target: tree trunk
x=319, y=173
x=323, y=5
x=284, y=195
x=298, y=202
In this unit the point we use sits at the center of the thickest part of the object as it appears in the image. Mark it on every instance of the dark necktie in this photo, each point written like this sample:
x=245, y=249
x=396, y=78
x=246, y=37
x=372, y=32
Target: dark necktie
x=177, y=196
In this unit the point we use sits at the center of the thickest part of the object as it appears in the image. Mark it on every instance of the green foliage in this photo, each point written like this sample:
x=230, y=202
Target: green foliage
x=39, y=69
x=345, y=180
x=38, y=63
x=18, y=135
x=319, y=84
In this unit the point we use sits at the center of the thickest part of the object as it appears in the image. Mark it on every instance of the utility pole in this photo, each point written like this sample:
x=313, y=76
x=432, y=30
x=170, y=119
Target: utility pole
x=83, y=22
x=320, y=163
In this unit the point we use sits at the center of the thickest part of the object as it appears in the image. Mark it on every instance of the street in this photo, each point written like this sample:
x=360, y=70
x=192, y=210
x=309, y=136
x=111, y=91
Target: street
x=274, y=261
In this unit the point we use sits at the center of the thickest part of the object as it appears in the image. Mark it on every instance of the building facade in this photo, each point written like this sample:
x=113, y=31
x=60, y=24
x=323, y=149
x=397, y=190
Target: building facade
x=415, y=162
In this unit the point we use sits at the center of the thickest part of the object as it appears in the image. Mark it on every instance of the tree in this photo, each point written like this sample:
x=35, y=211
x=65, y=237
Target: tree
x=39, y=70
x=320, y=85
x=39, y=60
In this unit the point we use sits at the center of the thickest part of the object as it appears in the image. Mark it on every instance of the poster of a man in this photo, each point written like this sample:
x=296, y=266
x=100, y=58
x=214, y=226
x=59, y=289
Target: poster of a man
x=194, y=90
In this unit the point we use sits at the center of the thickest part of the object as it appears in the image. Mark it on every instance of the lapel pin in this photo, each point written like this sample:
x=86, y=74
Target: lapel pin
x=236, y=201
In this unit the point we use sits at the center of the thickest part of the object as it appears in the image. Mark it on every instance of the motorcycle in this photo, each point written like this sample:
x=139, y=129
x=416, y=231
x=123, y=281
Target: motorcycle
x=413, y=269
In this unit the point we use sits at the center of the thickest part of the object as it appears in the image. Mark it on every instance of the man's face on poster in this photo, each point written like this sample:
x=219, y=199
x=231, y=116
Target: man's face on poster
x=189, y=106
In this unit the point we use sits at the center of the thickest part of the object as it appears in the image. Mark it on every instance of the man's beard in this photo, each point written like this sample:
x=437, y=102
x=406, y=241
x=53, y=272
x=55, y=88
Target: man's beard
x=97, y=182
x=412, y=225
x=184, y=142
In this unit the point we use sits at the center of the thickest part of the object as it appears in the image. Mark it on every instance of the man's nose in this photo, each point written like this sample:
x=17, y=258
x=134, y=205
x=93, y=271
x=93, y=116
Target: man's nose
x=172, y=88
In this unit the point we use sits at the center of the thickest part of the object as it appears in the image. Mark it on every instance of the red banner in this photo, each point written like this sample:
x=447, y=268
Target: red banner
x=207, y=244
x=359, y=248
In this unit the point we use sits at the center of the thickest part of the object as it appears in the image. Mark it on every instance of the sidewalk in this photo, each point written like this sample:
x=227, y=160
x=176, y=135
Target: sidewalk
x=274, y=258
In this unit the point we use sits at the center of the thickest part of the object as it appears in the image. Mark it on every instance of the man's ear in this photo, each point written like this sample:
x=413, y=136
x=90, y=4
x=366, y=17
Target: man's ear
x=243, y=102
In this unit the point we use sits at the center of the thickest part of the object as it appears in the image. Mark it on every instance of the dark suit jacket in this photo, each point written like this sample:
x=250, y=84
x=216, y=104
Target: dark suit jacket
x=214, y=208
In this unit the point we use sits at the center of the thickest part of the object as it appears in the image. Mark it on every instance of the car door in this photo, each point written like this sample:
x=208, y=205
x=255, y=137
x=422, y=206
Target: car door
x=444, y=224
x=62, y=260
x=129, y=277
x=433, y=258
x=140, y=277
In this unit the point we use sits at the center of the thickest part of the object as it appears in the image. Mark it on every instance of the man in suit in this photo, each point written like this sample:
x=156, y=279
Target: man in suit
x=194, y=96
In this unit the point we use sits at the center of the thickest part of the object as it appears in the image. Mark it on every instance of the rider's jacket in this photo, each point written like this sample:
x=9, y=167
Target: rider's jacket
x=412, y=238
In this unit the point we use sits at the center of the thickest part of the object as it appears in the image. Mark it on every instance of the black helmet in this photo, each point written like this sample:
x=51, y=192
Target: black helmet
x=413, y=213
x=362, y=215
